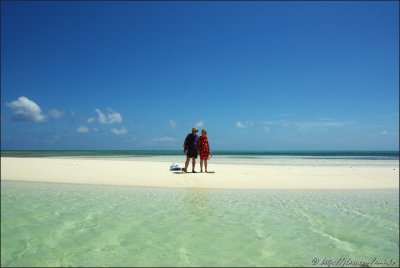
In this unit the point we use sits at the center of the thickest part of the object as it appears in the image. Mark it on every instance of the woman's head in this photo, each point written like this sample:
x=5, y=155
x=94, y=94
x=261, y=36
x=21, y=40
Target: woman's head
x=204, y=132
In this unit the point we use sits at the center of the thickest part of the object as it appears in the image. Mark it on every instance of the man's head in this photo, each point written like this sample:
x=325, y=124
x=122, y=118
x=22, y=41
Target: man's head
x=194, y=130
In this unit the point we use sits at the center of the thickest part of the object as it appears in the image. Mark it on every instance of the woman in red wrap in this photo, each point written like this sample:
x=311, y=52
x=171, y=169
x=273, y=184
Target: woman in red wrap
x=204, y=150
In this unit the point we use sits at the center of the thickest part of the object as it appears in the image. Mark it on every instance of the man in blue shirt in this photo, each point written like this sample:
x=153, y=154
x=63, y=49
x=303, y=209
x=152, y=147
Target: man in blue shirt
x=190, y=149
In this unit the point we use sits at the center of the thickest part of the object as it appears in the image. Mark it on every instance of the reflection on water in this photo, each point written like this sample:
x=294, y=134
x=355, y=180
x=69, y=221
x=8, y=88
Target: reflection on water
x=86, y=225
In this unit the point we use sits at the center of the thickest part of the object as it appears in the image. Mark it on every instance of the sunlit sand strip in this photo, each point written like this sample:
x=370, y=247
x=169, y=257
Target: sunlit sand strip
x=153, y=173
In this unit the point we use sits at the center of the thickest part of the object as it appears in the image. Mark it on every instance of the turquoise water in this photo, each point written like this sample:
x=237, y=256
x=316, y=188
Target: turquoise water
x=45, y=224
x=366, y=155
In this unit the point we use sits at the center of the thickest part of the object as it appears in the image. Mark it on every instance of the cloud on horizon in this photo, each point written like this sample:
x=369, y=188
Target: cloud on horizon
x=389, y=133
x=91, y=119
x=173, y=123
x=322, y=124
x=199, y=124
x=25, y=109
x=267, y=129
x=243, y=125
x=54, y=113
x=82, y=129
x=111, y=118
x=165, y=139
x=317, y=124
x=120, y=131
x=282, y=123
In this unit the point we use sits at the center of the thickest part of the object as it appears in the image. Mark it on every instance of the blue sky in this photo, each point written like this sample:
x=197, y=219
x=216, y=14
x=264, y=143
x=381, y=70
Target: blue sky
x=258, y=75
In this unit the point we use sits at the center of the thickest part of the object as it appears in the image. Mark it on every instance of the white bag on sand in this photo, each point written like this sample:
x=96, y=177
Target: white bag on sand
x=175, y=166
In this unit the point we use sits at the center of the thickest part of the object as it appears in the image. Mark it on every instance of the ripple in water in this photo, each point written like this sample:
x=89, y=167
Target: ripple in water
x=87, y=225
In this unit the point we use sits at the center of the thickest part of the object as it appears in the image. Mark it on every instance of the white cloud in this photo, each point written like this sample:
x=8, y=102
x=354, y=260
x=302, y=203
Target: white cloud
x=102, y=117
x=240, y=125
x=82, y=129
x=120, y=131
x=199, y=124
x=111, y=118
x=385, y=133
x=243, y=125
x=389, y=133
x=282, y=123
x=91, y=119
x=54, y=113
x=95, y=129
x=322, y=124
x=267, y=129
x=114, y=117
x=173, y=123
x=25, y=109
x=165, y=139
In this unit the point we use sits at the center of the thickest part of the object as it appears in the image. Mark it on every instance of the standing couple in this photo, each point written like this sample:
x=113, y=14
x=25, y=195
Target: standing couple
x=195, y=145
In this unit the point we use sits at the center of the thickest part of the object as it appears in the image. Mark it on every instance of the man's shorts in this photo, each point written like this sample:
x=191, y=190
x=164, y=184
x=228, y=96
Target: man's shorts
x=192, y=154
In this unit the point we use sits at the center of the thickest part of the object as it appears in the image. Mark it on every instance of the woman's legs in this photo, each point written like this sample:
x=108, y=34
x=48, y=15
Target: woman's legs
x=201, y=165
x=205, y=164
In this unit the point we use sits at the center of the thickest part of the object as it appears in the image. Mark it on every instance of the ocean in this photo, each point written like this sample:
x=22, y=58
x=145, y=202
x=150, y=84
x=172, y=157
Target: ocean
x=56, y=224
x=343, y=154
x=44, y=224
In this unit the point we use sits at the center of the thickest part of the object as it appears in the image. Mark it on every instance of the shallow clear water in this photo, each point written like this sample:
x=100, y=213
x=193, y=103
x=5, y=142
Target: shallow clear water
x=246, y=154
x=88, y=225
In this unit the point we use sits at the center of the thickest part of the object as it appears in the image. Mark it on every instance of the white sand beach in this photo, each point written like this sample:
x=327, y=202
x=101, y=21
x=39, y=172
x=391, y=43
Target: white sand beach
x=156, y=173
